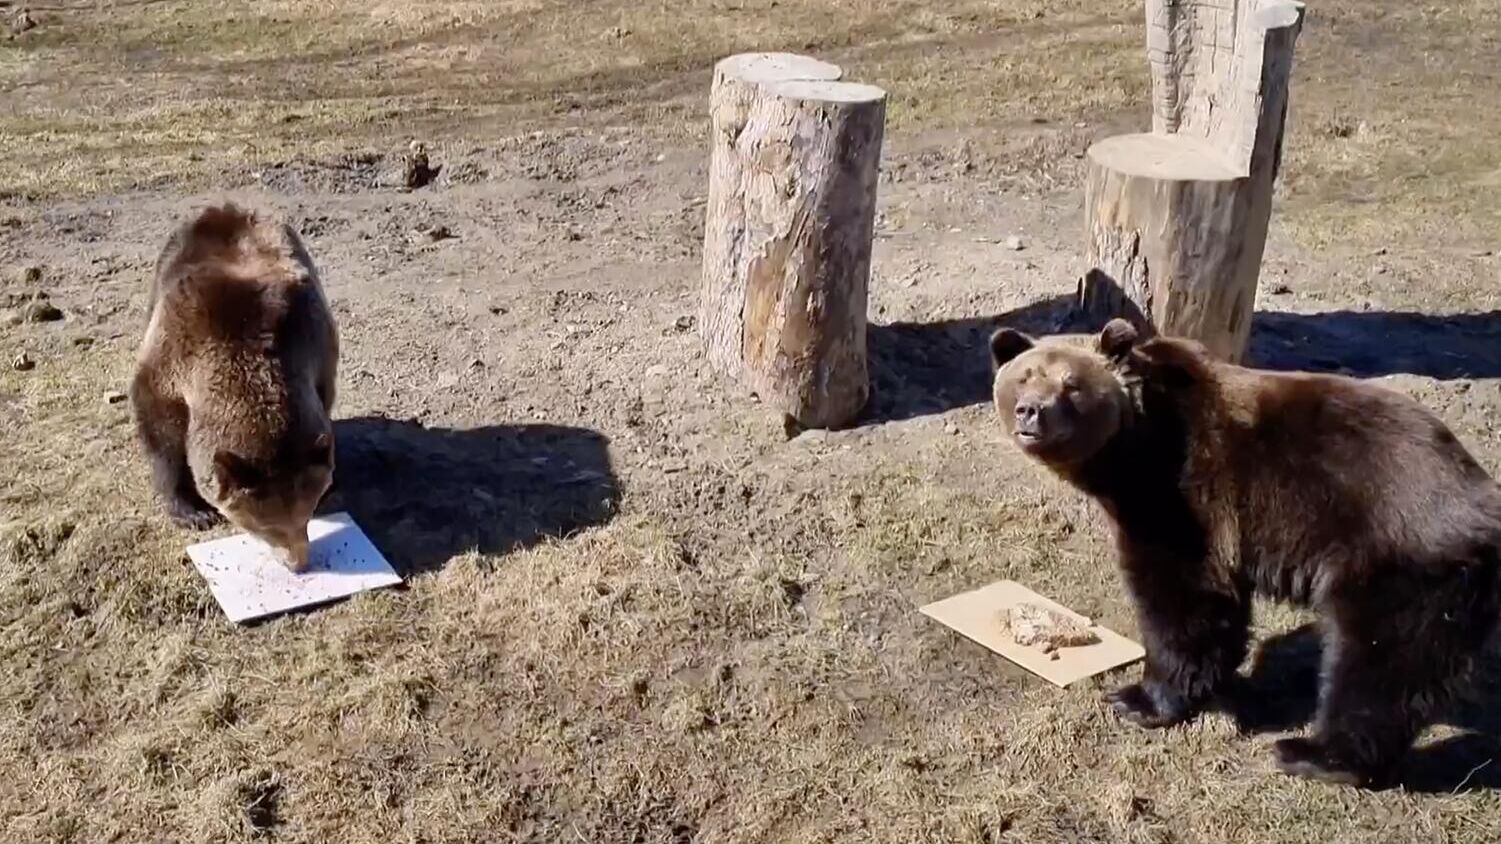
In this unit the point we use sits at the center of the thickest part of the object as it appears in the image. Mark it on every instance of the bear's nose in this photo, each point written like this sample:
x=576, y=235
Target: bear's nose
x=1027, y=413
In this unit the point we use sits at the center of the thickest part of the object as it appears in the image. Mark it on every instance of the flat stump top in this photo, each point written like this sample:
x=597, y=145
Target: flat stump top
x=764, y=68
x=1168, y=157
x=827, y=91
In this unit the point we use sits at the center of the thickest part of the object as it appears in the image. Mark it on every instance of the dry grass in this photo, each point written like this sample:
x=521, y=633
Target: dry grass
x=735, y=655
x=1388, y=120
x=636, y=682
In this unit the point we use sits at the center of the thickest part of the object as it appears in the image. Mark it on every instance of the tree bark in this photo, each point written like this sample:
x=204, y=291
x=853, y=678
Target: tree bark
x=787, y=243
x=1178, y=218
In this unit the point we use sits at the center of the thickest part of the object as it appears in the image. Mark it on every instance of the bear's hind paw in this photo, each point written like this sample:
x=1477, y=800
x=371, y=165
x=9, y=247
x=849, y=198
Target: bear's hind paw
x=1310, y=759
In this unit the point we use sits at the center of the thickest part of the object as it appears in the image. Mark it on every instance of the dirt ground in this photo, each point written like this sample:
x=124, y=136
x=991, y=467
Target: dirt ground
x=636, y=611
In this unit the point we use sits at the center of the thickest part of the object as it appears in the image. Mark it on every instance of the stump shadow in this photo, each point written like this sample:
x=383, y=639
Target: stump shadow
x=425, y=495
x=1364, y=344
x=1369, y=344
x=1280, y=694
x=927, y=368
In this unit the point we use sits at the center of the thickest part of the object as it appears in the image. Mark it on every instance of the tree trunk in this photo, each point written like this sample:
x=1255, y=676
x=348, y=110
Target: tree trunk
x=1175, y=247
x=788, y=236
x=1178, y=219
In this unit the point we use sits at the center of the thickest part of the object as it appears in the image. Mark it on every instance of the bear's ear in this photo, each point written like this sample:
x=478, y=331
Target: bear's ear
x=235, y=474
x=321, y=452
x=1176, y=360
x=1007, y=343
x=1117, y=339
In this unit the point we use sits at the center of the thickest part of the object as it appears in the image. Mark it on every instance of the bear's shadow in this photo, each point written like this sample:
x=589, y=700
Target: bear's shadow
x=425, y=495
x=1280, y=694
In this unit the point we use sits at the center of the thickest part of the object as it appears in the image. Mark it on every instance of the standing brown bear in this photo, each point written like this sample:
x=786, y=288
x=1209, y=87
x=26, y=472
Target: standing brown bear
x=1223, y=481
x=235, y=379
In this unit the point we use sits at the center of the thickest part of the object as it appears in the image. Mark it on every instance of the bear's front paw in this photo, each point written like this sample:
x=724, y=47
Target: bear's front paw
x=1311, y=759
x=192, y=515
x=1136, y=704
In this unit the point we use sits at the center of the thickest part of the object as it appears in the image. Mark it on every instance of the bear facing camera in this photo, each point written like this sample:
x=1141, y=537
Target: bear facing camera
x=1222, y=482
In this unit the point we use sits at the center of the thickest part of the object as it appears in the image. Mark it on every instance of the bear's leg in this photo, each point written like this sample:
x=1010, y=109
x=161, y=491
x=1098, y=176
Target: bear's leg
x=162, y=425
x=1194, y=639
x=1395, y=650
x=1369, y=713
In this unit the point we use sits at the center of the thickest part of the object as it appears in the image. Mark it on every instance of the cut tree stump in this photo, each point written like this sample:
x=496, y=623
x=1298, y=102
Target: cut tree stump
x=1178, y=217
x=788, y=234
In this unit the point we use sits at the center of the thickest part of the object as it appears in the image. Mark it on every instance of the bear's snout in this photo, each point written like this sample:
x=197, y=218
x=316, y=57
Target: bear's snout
x=1029, y=418
x=1040, y=421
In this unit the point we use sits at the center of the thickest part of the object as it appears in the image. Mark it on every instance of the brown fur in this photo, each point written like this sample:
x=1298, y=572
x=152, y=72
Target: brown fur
x=1324, y=491
x=235, y=379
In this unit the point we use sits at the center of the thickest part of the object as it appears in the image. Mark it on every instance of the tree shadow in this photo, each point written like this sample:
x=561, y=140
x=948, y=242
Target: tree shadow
x=1371, y=344
x=1364, y=344
x=1280, y=694
x=921, y=369
x=426, y=495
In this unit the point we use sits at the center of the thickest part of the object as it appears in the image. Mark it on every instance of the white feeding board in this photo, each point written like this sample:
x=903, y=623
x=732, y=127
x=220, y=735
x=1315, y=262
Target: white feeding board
x=248, y=582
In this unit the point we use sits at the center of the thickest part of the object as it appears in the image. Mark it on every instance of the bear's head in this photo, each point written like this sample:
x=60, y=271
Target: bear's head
x=1061, y=402
x=273, y=499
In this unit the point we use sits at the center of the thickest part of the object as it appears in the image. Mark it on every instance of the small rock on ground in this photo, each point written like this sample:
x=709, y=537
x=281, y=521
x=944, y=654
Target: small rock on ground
x=418, y=171
x=22, y=21
x=40, y=310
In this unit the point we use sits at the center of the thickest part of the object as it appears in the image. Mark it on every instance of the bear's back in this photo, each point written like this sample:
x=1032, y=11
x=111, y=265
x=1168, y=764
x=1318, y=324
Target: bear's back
x=1324, y=475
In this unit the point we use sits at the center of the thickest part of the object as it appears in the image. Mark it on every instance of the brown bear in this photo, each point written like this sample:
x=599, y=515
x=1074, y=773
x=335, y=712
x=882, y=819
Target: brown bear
x=1223, y=481
x=235, y=379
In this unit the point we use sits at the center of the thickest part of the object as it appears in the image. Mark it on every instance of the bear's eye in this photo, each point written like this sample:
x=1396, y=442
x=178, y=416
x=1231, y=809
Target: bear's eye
x=1071, y=385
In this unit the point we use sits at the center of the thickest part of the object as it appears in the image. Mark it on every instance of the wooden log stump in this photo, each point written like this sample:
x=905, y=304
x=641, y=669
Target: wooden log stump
x=1178, y=218
x=787, y=239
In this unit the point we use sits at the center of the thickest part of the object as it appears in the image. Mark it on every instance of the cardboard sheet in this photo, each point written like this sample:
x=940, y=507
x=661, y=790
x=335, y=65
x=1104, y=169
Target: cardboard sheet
x=249, y=583
x=981, y=615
